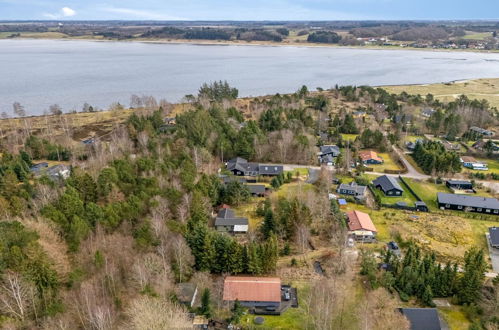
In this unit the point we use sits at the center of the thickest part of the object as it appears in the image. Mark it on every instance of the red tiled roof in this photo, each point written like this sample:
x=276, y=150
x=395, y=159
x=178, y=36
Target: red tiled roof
x=369, y=154
x=360, y=221
x=247, y=288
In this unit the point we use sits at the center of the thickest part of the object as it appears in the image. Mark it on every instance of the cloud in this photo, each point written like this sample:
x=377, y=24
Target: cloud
x=140, y=14
x=67, y=12
x=63, y=12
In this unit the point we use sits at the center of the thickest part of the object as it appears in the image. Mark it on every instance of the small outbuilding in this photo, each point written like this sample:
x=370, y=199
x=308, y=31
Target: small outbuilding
x=459, y=184
x=226, y=221
x=494, y=237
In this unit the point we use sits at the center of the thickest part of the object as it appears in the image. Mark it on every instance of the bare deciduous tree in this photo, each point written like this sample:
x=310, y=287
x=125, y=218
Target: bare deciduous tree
x=18, y=109
x=16, y=296
x=156, y=314
x=55, y=109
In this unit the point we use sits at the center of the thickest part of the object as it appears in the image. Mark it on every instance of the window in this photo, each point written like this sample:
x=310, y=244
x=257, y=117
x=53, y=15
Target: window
x=390, y=192
x=487, y=210
x=479, y=209
x=447, y=205
x=496, y=211
x=460, y=207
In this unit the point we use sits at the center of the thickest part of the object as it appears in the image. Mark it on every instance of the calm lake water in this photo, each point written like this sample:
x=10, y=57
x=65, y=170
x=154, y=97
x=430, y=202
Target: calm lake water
x=38, y=73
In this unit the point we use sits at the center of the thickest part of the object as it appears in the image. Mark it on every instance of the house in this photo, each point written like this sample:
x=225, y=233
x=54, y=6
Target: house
x=352, y=189
x=459, y=184
x=428, y=112
x=422, y=318
x=257, y=189
x=58, y=172
x=226, y=221
x=472, y=163
x=412, y=145
x=468, y=203
x=494, y=237
x=187, y=293
x=389, y=185
x=361, y=226
x=451, y=146
x=359, y=114
x=37, y=168
x=229, y=178
x=253, y=291
x=402, y=119
x=481, y=131
x=270, y=170
x=89, y=141
x=370, y=157
x=480, y=145
x=328, y=153
x=240, y=166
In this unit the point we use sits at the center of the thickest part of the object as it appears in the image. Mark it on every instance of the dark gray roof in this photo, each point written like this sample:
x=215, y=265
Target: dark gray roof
x=458, y=182
x=353, y=186
x=327, y=158
x=494, y=235
x=270, y=169
x=468, y=201
x=39, y=167
x=237, y=160
x=330, y=149
x=230, y=221
x=387, y=183
x=256, y=188
x=420, y=203
x=228, y=179
x=422, y=318
x=242, y=166
x=226, y=217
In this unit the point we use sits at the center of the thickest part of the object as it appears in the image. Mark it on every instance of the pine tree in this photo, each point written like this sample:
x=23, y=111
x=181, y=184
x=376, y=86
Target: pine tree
x=254, y=265
x=427, y=297
x=205, y=308
x=473, y=276
x=269, y=224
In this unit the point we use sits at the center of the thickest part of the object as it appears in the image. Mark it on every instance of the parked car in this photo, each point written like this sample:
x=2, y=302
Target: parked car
x=393, y=248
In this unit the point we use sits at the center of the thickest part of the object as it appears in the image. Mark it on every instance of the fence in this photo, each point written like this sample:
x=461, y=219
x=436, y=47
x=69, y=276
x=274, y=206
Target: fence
x=410, y=189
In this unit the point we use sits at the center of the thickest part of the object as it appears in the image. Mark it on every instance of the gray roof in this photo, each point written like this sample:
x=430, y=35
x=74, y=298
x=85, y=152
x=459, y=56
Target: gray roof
x=387, y=183
x=353, y=186
x=330, y=149
x=327, y=158
x=38, y=167
x=226, y=217
x=494, y=235
x=270, y=169
x=237, y=160
x=56, y=169
x=422, y=318
x=458, y=182
x=468, y=201
x=256, y=188
x=242, y=166
x=420, y=203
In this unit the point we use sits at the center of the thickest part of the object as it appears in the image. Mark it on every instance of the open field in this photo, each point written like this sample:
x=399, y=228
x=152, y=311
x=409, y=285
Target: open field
x=477, y=36
x=427, y=191
x=487, y=89
x=350, y=137
x=388, y=163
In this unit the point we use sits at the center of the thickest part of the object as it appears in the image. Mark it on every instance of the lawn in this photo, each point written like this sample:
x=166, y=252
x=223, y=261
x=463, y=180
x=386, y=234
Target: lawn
x=292, y=318
x=350, y=137
x=427, y=191
x=477, y=35
x=454, y=317
x=388, y=163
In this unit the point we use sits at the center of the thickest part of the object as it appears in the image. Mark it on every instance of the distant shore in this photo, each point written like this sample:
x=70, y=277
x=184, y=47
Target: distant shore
x=254, y=43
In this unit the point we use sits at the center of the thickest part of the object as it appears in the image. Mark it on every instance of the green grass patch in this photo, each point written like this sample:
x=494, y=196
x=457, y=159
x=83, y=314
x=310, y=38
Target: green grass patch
x=477, y=36
x=454, y=317
x=350, y=137
x=406, y=197
x=388, y=163
x=427, y=191
x=493, y=165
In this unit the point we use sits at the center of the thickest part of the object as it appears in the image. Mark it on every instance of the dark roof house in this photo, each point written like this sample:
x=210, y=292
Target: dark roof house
x=494, y=237
x=37, y=168
x=389, y=185
x=422, y=318
x=256, y=189
x=428, y=112
x=353, y=189
x=481, y=131
x=459, y=184
x=468, y=203
x=226, y=221
x=240, y=166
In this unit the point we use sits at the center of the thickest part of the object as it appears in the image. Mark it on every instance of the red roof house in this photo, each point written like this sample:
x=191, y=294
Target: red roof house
x=360, y=221
x=253, y=291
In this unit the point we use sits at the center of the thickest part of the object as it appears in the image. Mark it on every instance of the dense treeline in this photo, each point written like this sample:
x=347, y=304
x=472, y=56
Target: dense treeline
x=433, y=158
x=420, y=275
x=326, y=37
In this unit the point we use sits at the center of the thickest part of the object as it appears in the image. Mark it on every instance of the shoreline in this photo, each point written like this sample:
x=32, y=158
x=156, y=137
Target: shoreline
x=198, y=42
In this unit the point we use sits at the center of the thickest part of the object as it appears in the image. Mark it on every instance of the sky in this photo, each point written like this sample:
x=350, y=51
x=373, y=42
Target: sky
x=247, y=9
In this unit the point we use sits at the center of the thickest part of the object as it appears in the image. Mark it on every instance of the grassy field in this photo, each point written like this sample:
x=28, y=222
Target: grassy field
x=388, y=163
x=350, y=137
x=427, y=191
x=487, y=89
x=455, y=318
x=477, y=36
